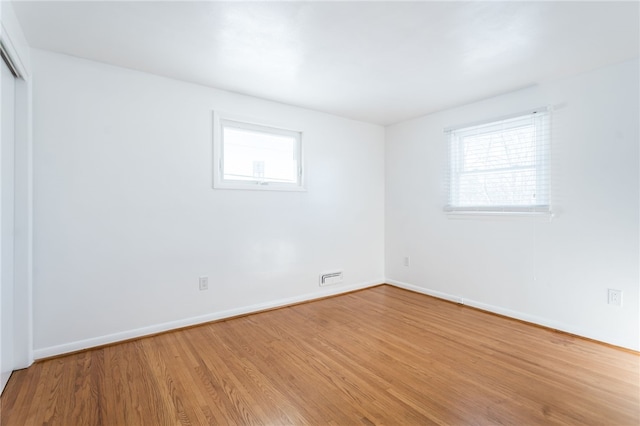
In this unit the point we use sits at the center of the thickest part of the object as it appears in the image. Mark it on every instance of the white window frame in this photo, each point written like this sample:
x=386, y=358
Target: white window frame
x=541, y=118
x=221, y=120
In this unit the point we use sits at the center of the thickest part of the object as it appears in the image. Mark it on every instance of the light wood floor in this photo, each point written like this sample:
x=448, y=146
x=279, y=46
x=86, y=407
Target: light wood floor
x=377, y=356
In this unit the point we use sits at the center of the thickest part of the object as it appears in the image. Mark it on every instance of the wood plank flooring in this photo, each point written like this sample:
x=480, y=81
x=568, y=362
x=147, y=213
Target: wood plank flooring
x=376, y=356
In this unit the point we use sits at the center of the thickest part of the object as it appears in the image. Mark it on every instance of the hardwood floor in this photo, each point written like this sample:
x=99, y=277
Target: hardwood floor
x=377, y=356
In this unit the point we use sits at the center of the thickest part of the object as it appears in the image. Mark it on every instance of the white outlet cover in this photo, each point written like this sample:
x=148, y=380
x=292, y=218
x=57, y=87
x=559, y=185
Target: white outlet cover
x=615, y=297
x=203, y=283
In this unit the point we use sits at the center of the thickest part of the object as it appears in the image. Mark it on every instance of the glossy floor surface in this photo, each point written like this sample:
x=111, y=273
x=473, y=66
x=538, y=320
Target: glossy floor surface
x=377, y=356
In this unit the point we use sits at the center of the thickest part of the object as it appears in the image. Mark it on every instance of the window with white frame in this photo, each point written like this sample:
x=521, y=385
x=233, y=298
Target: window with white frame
x=253, y=156
x=500, y=165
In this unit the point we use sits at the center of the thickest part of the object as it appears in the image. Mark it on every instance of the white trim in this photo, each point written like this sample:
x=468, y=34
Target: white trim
x=201, y=319
x=4, y=378
x=541, y=217
x=532, y=319
x=216, y=316
x=14, y=44
x=23, y=206
x=428, y=292
x=16, y=52
x=526, y=210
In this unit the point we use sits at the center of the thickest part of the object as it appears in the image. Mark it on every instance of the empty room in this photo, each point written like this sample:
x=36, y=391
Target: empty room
x=320, y=213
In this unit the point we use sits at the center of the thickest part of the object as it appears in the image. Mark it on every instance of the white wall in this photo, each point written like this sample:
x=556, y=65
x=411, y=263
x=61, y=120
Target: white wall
x=554, y=273
x=126, y=219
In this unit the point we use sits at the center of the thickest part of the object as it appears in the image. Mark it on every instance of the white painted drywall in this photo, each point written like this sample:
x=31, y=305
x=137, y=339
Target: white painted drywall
x=126, y=219
x=554, y=273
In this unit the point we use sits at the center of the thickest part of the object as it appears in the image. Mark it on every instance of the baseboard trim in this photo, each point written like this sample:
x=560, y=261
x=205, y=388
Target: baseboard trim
x=507, y=313
x=110, y=339
x=428, y=292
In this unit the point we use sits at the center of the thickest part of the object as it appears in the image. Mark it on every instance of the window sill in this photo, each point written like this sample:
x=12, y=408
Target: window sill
x=259, y=187
x=495, y=214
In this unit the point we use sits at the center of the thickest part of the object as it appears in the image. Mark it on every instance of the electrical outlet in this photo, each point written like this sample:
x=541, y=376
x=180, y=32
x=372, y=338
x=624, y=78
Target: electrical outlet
x=406, y=261
x=203, y=283
x=615, y=297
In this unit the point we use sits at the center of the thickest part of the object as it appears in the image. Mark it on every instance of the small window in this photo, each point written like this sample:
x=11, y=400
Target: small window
x=252, y=156
x=500, y=166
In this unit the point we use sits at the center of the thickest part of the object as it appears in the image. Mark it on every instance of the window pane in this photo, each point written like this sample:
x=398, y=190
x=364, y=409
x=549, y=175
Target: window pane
x=257, y=156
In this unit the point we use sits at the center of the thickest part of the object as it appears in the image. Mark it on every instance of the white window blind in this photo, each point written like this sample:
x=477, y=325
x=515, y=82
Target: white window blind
x=501, y=165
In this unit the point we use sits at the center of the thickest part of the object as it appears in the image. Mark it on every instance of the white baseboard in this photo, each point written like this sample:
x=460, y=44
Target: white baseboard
x=428, y=292
x=202, y=319
x=544, y=322
x=4, y=378
x=215, y=316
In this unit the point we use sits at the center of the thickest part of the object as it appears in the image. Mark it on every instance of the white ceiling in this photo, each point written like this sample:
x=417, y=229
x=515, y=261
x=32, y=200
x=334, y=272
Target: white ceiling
x=380, y=62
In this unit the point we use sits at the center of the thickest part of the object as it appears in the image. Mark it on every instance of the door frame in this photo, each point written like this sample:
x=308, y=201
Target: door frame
x=15, y=52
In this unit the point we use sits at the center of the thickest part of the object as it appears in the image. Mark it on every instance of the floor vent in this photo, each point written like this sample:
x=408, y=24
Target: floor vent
x=330, y=278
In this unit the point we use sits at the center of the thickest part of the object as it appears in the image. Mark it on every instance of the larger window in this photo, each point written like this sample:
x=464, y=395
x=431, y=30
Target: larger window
x=252, y=156
x=500, y=166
